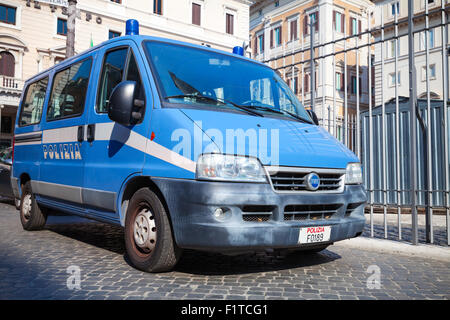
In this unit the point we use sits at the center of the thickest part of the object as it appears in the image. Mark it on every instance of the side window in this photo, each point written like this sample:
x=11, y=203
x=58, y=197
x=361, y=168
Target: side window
x=33, y=103
x=69, y=90
x=112, y=75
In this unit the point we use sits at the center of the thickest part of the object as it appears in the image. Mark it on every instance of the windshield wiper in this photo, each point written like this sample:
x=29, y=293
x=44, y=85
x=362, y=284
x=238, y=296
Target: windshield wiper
x=282, y=112
x=296, y=117
x=224, y=102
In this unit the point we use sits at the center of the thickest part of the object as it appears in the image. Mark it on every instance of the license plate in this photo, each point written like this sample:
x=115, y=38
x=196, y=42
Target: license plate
x=314, y=234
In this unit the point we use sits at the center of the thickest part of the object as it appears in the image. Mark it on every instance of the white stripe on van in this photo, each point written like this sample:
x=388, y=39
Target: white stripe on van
x=109, y=131
x=60, y=135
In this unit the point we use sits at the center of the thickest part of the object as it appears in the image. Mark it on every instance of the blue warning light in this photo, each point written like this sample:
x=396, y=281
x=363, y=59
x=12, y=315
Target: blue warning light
x=132, y=28
x=238, y=50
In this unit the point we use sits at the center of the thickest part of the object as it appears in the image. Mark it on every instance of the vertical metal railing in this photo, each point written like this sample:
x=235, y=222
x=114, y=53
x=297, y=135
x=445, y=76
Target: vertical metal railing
x=372, y=112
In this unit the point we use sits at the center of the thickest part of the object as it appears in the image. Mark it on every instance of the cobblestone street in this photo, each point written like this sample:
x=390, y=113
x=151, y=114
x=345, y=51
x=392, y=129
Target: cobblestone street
x=33, y=265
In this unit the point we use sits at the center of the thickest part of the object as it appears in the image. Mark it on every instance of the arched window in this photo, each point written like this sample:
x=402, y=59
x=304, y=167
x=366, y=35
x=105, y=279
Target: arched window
x=7, y=64
x=433, y=96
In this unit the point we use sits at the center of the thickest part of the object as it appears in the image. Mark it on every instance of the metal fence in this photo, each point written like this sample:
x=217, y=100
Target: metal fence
x=401, y=135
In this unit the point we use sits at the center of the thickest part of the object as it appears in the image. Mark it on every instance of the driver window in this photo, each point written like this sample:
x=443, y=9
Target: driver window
x=112, y=75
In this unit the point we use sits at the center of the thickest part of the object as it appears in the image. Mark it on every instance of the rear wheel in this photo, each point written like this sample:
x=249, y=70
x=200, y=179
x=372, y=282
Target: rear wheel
x=149, y=241
x=31, y=216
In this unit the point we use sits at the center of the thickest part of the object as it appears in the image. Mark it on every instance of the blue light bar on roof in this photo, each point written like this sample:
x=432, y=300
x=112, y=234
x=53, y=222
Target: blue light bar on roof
x=132, y=27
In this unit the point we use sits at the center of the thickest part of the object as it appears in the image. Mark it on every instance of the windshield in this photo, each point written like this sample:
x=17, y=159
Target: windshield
x=192, y=76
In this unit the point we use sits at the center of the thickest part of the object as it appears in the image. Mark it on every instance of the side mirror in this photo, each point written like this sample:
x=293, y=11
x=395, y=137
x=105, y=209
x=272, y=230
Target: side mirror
x=313, y=116
x=123, y=107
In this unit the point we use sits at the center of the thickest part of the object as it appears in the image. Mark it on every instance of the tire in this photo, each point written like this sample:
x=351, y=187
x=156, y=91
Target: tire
x=31, y=215
x=149, y=242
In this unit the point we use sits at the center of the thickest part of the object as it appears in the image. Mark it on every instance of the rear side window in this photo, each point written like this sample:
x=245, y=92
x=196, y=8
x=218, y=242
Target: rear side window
x=69, y=90
x=33, y=103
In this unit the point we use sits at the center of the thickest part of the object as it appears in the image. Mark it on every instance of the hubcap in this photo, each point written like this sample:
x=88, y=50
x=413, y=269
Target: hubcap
x=145, y=230
x=26, y=206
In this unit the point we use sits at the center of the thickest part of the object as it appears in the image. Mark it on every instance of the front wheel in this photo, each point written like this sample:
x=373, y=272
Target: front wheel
x=31, y=215
x=149, y=242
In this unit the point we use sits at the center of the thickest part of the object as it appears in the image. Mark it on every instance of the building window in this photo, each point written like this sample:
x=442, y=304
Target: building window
x=7, y=14
x=293, y=32
x=261, y=44
x=58, y=60
x=391, y=49
x=392, y=79
x=355, y=27
x=354, y=85
x=339, y=81
x=117, y=1
x=62, y=27
x=338, y=21
x=196, y=13
x=113, y=34
x=431, y=72
x=275, y=37
x=157, y=6
x=229, y=23
x=7, y=64
x=431, y=42
x=277, y=4
x=395, y=8
x=315, y=18
x=6, y=124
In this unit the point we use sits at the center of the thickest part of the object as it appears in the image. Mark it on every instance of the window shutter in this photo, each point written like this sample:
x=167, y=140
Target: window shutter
x=305, y=25
x=359, y=28
x=196, y=14
x=296, y=85
x=342, y=23
x=281, y=35
x=271, y=38
x=7, y=64
x=317, y=22
x=342, y=82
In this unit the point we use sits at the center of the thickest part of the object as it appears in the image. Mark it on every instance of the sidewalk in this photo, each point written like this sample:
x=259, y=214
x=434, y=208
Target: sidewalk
x=439, y=250
x=424, y=251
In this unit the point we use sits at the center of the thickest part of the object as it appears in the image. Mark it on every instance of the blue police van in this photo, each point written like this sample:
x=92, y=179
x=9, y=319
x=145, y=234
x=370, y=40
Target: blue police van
x=186, y=147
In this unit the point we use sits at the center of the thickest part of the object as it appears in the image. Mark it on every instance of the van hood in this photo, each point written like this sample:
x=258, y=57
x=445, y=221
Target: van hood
x=294, y=143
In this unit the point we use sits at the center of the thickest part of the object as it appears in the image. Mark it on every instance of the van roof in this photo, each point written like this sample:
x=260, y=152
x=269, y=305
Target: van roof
x=138, y=40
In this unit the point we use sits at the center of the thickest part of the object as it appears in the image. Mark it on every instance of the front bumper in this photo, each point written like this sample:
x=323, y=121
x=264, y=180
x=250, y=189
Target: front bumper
x=192, y=203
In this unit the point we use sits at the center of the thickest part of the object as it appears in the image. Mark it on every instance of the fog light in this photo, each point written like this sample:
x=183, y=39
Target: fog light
x=221, y=214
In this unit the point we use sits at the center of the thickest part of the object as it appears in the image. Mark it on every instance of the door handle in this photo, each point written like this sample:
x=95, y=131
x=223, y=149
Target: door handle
x=80, y=134
x=90, y=132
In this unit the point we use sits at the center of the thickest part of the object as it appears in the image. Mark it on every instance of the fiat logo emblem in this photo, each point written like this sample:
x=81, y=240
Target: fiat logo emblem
x=312, y=181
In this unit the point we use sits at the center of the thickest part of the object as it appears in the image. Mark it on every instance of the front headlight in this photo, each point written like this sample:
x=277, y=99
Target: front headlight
x=353, y=173
x=229, y=168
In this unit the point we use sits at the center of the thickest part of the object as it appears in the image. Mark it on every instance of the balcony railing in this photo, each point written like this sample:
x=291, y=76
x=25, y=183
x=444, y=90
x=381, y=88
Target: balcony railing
x=10, y=83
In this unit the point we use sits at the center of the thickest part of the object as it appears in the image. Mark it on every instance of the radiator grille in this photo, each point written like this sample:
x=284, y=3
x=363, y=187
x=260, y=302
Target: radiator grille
x=295, y=181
